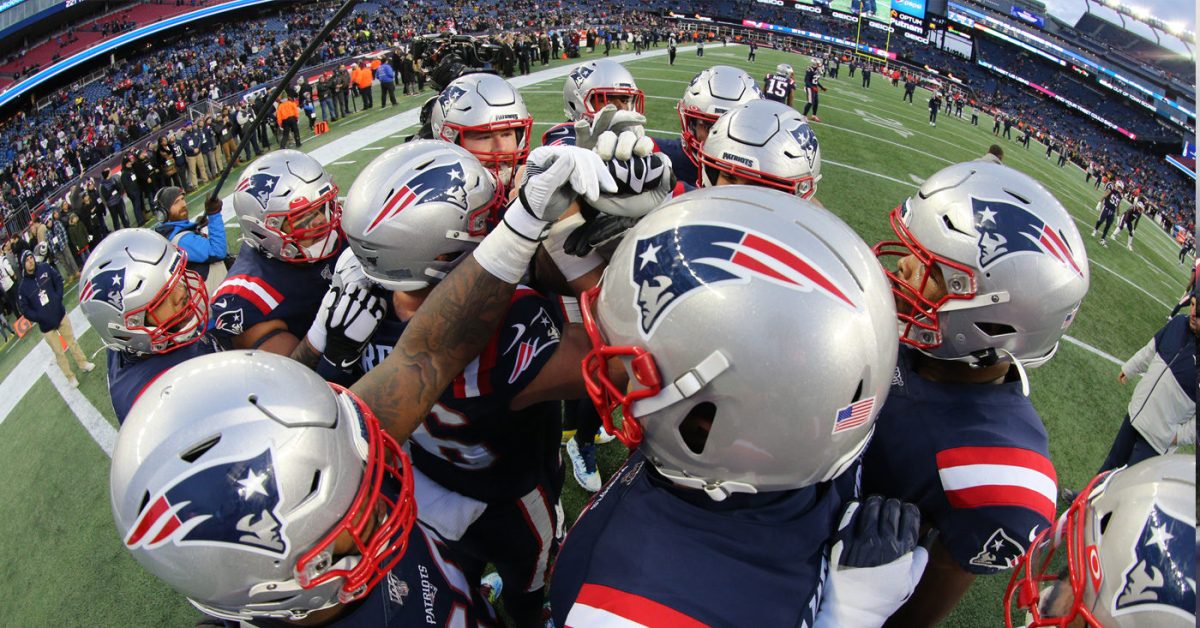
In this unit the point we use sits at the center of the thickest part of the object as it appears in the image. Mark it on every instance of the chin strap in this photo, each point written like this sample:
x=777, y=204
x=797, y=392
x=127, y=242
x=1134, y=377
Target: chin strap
x=685, y=385
x=1020, y=370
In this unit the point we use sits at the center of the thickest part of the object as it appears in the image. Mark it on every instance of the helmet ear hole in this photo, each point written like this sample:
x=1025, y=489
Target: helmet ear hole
x=996, y=329
x=1104, y=522
x=697, y=425
x=193, y=454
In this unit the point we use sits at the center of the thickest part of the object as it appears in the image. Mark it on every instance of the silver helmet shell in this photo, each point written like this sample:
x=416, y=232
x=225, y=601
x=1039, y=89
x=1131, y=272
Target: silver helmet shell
x=417, y=210
x=236, y=499
x=711, y=93
x=288, y=208
x=764, y=143
x=592, y=85
x=1011, y=260
x=663, y=310
x=127, y=278
x=484, y=103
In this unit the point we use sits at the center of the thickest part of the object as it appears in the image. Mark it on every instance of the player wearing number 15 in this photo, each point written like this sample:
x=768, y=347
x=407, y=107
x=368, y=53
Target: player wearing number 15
x=486, y=458
x=780, y=86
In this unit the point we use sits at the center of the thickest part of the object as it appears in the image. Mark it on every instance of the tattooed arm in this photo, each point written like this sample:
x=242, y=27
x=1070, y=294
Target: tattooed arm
x=450, y=329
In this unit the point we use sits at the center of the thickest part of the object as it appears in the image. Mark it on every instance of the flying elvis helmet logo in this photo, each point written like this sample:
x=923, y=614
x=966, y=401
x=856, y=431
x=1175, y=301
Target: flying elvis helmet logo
x=669, y=266
x=260, y=185
x=231, y=503
x=107, y=286
x=1006, y=229
x=1162, y=572
x=807, y=141
x=438, y=183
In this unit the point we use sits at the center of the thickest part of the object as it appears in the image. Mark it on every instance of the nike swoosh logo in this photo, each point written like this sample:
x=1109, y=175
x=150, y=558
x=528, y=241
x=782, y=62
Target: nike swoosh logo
x=520, y=334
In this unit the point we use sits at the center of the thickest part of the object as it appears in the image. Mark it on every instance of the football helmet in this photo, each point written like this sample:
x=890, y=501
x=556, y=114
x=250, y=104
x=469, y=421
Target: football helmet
x=767, y=143
x=417, y=210
x=711, y=404
x=1123, y=555
x=784, y=70
x=279, y=195
x=277, y=497
x=711, y=93
x=482, y=102
x=127, y=278
x=1012, y=263
x=590, y=86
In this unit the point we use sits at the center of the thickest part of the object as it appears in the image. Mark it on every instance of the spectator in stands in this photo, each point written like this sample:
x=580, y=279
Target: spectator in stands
x=9, y=281
x=210, y=148
x=56, y=235
x=40, y=296
x=193, y=151
x=113, y=198
x=129, y=184
x=387, y=83
x=287, y=114
x=77, y=238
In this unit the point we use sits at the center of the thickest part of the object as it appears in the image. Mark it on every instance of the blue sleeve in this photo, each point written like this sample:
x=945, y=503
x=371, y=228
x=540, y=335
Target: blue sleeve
x=991, y=539
x=202, y=249
x=56, y=281
x=533, y=329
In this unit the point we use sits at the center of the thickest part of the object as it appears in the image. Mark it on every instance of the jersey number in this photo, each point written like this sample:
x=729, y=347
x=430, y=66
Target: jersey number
x=777, y=88
x=471, y=456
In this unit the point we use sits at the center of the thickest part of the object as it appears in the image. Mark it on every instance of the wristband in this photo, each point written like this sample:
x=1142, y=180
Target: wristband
x=571, y=266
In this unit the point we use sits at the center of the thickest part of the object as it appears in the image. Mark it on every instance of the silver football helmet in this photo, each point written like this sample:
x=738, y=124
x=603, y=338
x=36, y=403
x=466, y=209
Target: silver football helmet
x=711, y=93
x=1012, y=267
x=785, y=70
x=418, y=210
x=1129, y=558
x=764, y=143
x=288, y=208
x=592, y=85
x=696, y=403
x=139, y=295
x=484, y=103
x=277, y=497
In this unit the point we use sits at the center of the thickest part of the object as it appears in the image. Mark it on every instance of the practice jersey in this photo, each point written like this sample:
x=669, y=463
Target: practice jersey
x=645, y=552
x=685, y=169
x=259, y=288
x=471, y=443
x=778, y=88
x=973, y=458
x=129, y=375
x=426, y=588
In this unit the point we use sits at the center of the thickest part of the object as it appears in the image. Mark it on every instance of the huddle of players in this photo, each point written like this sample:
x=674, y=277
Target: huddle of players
x=740, y=339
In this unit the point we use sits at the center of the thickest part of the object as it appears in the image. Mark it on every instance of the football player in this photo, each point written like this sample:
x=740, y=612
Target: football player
x=486, y=458
x=1124, y=554
x=988, y=271
x=1133, y=215
x=731, y=494
x=288, y=209
x=149, y=309
x=484, y=114
x=279, y=501
x=588, y=89
x=711, y=93
x=762, y=143
x=812, y=85
x=780, y=85
x=1108, y=206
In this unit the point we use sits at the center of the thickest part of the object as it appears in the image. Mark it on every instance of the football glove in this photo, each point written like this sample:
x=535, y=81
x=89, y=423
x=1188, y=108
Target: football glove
x=608, y=119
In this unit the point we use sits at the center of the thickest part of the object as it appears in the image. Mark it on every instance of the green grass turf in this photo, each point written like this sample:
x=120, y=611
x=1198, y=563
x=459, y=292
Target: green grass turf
x=77, y=572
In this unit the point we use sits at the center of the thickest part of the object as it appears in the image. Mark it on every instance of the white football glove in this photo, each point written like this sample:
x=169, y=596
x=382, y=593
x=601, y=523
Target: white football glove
x=874, y=565
x=608, y=119
x=347, y=313
x=554, y=177
x=643, y=183
x=348, y=270
x=623, y=146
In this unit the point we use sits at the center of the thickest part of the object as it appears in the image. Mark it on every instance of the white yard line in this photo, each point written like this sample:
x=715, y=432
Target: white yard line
x=1089, y=348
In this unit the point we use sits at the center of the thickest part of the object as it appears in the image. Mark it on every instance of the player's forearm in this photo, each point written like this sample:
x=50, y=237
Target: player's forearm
x=451, y=328
x=305, y=354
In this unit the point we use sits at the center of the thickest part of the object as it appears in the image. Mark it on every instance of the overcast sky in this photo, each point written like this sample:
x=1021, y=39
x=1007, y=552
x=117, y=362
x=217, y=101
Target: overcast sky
x=1183, y=11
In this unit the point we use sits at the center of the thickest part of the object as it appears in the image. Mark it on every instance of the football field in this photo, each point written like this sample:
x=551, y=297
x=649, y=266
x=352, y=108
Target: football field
x=58, y=544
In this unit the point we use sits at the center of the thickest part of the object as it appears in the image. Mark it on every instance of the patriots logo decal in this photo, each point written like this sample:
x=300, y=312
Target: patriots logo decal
x=448, y=97
x=1162, y=575
x=259, y=185
x=808, y=142
x=233, y=503
x=1007, y=229
x=107, y=286
x=579, y=74
x=669, y=266
x=435, y=184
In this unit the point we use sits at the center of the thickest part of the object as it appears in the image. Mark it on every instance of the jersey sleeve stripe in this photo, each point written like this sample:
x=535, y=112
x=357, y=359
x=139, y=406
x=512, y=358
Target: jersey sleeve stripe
x=1011, y=456
x=263, y=303
x=1002, y=495
x=599, y=605
x=971, y=476
x=257, y=281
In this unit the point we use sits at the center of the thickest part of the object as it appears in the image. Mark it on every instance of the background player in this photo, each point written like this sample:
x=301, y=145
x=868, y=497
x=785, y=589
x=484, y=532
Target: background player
x=588, y=89
x=1108, y=209
x=779, y=85
x=484, y=114
x=711, y=93
x=812, y=87
x=288, y=210
x=149, y=309
x=762, y=143
x=990, y=273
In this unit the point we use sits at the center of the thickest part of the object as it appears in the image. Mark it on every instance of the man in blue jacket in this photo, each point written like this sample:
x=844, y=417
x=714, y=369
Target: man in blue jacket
x=387, y=83
x=40, y=298
x=205, y=252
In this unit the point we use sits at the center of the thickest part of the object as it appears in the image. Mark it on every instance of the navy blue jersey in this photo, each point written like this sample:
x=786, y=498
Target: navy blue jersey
x=471, y=443
x=426, y=588
x=645, y=552
x=129, y=375
x=560, y=135
x=812, y=78
x=259, y=288
x=973, y=458
x=1112, y=202
x=685, y=169
x=778, y=88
